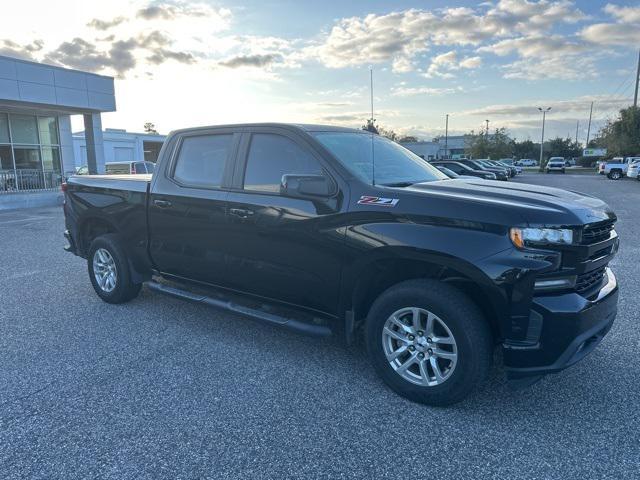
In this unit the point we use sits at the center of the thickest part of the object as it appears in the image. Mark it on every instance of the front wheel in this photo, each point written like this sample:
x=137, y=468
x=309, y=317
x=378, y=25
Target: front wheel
x=109, y=270
x=615, y=175
x=428, y=342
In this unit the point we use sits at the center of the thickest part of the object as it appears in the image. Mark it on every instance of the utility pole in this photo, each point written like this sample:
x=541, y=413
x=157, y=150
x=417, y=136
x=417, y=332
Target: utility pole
x=544, y=114
x=487, y=128
x=635, y=95
x=577, y=126
x=589, y=127
x=446, y=137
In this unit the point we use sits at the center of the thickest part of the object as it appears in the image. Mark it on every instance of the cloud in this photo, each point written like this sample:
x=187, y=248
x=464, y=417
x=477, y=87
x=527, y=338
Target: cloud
x=255, y=61
x=442, y=65
x=623, y=14
x=546, y=56
x=173, y=10
x=399, y=37
x=106, y=24
x=576, y=105
x=429, y=91
x=25, y=52
x=118, y=55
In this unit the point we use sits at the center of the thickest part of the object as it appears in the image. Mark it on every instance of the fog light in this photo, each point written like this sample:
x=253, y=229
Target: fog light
x=555, y=283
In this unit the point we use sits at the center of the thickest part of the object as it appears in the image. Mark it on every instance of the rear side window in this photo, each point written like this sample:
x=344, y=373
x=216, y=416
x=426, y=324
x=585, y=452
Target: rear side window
x=271, y=157
x=202, y=159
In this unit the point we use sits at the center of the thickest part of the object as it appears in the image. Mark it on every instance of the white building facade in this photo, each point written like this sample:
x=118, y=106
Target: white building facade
x=120, y=146
x=36, y=143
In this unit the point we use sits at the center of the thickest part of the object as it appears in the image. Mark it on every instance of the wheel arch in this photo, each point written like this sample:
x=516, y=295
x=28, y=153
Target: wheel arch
x=364, y=283
x=92, y=227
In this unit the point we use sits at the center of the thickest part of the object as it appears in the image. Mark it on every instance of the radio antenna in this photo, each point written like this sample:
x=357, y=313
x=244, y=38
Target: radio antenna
x=373, y=156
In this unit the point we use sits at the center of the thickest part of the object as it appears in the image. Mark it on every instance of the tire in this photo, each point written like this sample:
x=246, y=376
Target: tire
x=614, y=175
x=472, y=345
x=106, y=250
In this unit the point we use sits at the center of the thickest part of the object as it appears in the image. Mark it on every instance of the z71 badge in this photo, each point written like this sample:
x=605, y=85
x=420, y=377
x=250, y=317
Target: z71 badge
x=379, y=201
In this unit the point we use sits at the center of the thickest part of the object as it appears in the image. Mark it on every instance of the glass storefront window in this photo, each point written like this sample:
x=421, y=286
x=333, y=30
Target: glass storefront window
x=4, y=128
x=6, y=161
x=51, y=159
x=24, y=129
x=27, y=158
x=48, y=130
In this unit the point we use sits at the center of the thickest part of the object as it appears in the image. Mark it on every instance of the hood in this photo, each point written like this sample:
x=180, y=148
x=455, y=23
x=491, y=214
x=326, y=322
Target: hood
x=532, y=204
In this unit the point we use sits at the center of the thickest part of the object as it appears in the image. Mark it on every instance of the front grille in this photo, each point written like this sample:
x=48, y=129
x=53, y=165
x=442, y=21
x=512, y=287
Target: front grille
x=589, y=280
x=596, y=233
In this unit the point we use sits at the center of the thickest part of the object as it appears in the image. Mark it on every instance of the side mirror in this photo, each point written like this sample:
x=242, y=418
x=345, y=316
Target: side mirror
x=303, y=186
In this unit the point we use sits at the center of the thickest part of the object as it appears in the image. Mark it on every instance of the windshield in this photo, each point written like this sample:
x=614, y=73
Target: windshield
x=367, y=155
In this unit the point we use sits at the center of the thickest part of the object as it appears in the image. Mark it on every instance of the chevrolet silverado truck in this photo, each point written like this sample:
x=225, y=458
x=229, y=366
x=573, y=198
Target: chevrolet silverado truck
x=327, y=230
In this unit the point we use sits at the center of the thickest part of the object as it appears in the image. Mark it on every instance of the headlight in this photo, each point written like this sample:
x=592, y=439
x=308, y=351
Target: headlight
x=540, y=236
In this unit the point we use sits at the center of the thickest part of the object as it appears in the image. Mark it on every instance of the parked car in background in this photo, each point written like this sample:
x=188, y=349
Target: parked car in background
x=454, y=175
x=526, y=162
x=510, y=168
x=509, y=162
x=460, y=169
x=616, y=168
x=555, y=164
x=500, y=173
x=634, y=167
x=129, y=168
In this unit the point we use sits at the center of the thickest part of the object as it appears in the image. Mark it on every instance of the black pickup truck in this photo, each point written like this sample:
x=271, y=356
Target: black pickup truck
x=332, y=230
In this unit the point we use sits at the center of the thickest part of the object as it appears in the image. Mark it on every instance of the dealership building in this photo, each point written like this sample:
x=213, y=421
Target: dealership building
x=37, y=146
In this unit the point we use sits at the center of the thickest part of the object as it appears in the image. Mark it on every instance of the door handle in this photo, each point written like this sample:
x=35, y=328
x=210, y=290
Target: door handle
x=241, y=212
x=162, y=203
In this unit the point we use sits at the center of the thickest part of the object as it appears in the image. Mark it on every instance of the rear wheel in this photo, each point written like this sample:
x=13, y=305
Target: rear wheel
x=109, y=270
x=428, y=342
x=615, y=175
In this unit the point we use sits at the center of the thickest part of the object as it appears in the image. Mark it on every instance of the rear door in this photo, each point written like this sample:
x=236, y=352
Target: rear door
x=187, y=205
x=282, y=248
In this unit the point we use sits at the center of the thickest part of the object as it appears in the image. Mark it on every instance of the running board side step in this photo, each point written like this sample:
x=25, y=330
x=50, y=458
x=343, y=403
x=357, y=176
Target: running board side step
x=231, y=306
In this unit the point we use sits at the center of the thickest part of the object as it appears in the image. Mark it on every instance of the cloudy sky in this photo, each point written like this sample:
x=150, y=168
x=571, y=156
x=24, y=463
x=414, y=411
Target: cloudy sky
x=183, y=63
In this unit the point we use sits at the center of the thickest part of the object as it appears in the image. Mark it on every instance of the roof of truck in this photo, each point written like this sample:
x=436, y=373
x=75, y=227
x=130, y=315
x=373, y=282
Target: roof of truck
x=307, y=127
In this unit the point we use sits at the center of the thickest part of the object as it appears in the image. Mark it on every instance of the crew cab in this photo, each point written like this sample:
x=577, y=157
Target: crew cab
x=327, y=230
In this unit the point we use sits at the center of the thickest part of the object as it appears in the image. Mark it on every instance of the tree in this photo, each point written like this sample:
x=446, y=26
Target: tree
x=496, y=145
x=563, y=147
x=150, y=128
x=373, y=127
x=407, y=139
x=621, y=136
x=525, y=149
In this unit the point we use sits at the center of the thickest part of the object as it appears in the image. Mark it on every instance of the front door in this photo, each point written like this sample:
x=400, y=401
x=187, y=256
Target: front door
x=283, y=248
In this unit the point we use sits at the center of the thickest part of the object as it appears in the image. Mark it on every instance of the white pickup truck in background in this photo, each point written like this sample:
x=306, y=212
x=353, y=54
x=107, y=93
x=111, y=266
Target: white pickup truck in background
x=618, y=166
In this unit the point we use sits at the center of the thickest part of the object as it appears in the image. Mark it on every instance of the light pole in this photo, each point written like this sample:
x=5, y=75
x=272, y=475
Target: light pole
x=544, y=114
x=446, y=137
x=487, y=131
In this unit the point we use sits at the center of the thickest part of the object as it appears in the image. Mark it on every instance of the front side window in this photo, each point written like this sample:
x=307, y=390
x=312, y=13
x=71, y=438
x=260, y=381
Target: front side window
x=378, y=160
x=271, y=157
x=202, y=159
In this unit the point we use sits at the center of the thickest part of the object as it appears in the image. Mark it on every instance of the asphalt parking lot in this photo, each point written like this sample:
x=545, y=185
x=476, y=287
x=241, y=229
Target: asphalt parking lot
x=161, y=388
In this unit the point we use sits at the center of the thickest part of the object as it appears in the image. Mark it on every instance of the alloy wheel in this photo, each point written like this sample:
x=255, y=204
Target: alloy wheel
x=104, y=270
x=419, y=346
